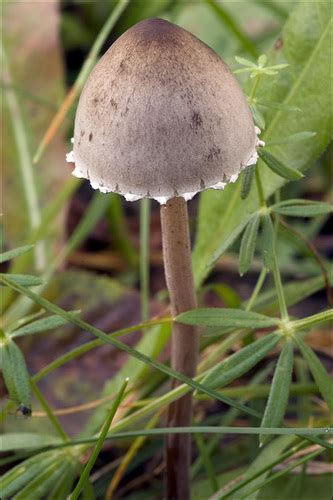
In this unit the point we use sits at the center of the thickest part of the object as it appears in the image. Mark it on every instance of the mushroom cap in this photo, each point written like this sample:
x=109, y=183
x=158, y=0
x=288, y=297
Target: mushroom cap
x=161, y=115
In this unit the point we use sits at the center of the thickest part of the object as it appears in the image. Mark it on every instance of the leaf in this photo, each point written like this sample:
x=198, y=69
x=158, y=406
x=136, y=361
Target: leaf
x=267, y=455
x=41, y=325
x=318, y=371
x=99, y=444
x=278, y=167
x=236, y=318
x=24, y=472
x=247, y=181
x=13, y=441
x=16, y=374
x=306, y=47
x=241, y=362
x=303, y=210
x=41, y=484
x=11, y=254
x=258, y=116
x=268, y=240
x=245, y=62
x=248, y=244
x=299, y=136
x=25, y=279
x=279, y=393
x=151, y=362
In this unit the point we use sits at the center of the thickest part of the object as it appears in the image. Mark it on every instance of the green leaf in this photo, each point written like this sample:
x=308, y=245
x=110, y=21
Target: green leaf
x=16, y=374
x=85, y=474
x=25, y=279
x=279, y=393
x=12, y=441
x=124, y=347
x=25, y=471
x=268, y=455
x=247, y=181
x=41, y=484
x=241, y=362
x=318, y=371
x=276, y=105
x=303, y=209
x=41, y=325
x=299, y=136
x=245, y=62
x=237, y=318
x=258, y=117
x=268, y=240
x=11, y=254
x=278, y=167
x=248, y=244
x=306, y=46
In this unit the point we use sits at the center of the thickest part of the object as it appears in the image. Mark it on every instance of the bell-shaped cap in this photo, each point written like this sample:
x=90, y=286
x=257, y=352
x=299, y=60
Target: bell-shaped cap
x=161, y=115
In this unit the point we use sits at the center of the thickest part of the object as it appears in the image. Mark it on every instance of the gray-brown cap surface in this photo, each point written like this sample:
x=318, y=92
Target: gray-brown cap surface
x=161, y=115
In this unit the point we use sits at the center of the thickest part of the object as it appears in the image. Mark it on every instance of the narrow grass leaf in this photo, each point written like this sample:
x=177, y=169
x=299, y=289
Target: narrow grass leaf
x=318, y=372
x=41, y=325
x=304, y=210
x=277, y=105
x=15, y=479
x=85, y=474
x=8, y=373
x=16, y=375
x=258, y=117
x=241, y=362
x=11, y=254
x=41, y=484
x=247, y=181
x=25, y=279
x=237, y=318
x=245, y=62
x=268, y=240
x=279, y=393
x=278, y=167
x=16, y=440
x=300, y=136
x=248, y=244
x=125, y=348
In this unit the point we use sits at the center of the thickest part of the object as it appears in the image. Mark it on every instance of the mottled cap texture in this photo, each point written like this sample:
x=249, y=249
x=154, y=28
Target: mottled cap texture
x=161, y=115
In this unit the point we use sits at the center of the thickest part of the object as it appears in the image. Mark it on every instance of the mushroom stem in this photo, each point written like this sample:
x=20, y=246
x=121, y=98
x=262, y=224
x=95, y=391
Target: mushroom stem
x=184, y=343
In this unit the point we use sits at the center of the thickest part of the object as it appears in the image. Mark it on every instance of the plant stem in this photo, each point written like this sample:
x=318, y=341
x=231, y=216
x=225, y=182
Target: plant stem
x=144, y=257
x=184, y=343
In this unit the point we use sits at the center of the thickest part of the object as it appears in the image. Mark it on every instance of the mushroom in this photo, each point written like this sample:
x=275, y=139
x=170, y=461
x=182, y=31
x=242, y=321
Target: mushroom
x=162, y=116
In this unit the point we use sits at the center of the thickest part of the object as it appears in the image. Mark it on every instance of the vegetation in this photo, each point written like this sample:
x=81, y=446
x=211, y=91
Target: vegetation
x=85, y=322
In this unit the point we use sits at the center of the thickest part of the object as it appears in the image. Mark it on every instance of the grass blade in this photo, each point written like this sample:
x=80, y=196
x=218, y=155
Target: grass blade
x=25, y=279
x=268, y=240
x=279, y=393
x=304, y=210
x=318, y=371
x=85, y=474
x=241, y=362
x=40, y=325
x=236, y=318
x=247, y=181
x=16, y=375
x=278, y=167
x=11, y=254
x=124, y=347
x=248, y=244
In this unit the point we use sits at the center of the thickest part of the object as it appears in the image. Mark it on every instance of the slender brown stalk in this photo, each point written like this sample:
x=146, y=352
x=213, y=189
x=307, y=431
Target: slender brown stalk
x=184, y=344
